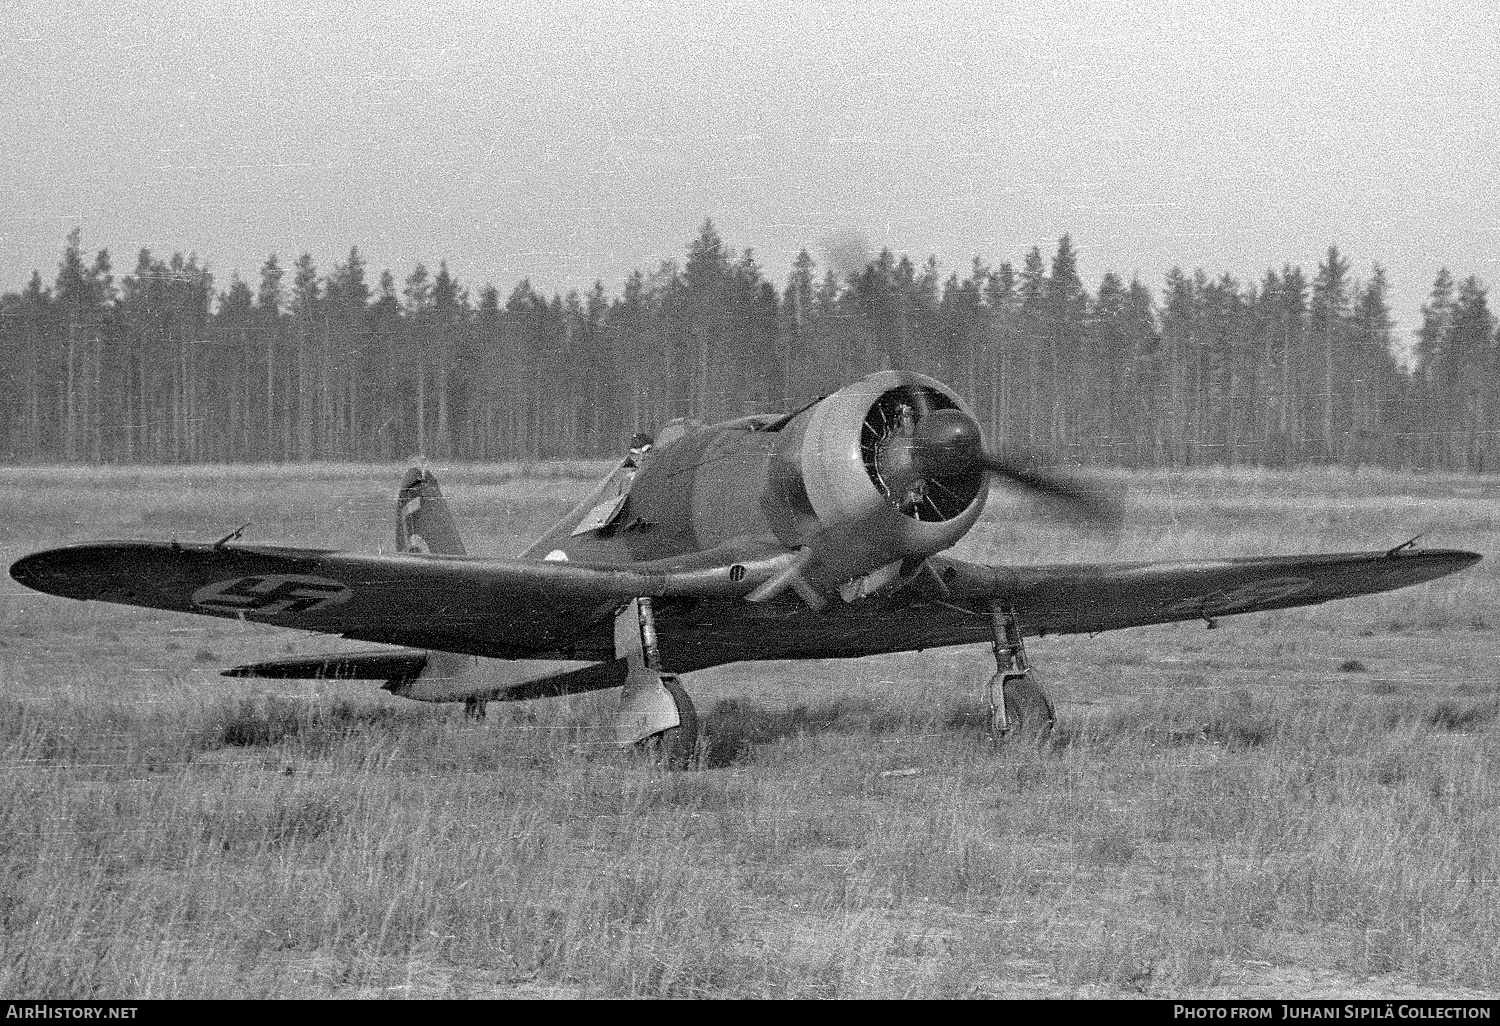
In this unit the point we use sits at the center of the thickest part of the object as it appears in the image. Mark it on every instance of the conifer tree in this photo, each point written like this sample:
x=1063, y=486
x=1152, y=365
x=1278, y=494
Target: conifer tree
x=1467, y=394
x=1374, y=379
x=1329, y=316
x=1436, y=375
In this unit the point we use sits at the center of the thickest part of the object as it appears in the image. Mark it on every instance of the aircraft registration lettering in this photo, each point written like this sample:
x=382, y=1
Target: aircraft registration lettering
x=1272, y=589
x=272, y=594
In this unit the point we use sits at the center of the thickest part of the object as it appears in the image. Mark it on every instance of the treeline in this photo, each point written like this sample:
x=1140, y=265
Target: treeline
x=306, y=365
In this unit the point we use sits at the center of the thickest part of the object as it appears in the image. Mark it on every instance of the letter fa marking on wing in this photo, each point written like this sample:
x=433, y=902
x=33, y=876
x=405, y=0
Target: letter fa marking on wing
x=272, y=594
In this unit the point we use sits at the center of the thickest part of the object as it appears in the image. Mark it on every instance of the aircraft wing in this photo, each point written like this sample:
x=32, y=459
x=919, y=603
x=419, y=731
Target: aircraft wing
x=505, y=608
x=524, y=608
x=1066, y=599
x=951, y=605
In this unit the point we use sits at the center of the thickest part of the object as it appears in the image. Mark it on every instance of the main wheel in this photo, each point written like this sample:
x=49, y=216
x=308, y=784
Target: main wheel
x=1028, y=711
x=675, y=748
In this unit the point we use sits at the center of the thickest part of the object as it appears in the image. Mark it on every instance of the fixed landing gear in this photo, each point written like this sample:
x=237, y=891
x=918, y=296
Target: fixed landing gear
x=1019, y=707
x=655, y=714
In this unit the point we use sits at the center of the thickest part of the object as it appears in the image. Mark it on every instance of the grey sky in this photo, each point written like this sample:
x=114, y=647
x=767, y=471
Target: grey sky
x=570, y=142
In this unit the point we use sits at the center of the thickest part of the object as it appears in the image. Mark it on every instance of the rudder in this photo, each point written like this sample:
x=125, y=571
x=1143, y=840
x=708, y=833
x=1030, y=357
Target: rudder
x=423, y=523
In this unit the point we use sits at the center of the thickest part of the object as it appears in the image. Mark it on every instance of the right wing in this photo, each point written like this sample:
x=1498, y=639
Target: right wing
x=505, y=608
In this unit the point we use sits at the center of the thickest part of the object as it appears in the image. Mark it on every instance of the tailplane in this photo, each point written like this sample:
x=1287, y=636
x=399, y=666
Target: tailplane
x=423, y=523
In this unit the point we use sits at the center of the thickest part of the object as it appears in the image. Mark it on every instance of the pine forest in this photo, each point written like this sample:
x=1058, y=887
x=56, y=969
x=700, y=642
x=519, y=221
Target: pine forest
x=162, y=365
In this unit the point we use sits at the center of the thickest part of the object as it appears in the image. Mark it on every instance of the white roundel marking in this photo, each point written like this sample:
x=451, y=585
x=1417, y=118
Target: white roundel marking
x=272, y=594
x=1272, y=589
x=556, y=556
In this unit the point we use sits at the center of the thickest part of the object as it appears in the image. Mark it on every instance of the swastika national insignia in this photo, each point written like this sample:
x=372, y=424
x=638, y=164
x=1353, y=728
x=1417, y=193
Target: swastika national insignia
x=272, y=594
x=1246, y=596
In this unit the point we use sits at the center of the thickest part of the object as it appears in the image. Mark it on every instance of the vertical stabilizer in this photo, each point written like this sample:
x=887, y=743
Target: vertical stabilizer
x=423, y=523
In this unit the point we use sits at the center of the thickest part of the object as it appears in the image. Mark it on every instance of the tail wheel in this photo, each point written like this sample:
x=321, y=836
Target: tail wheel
x=675, y=748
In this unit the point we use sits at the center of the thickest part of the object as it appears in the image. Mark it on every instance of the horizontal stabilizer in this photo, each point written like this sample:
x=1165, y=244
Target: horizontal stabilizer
x=572, y=682
x=376, y=665
x=443, y=677
x=451, y=677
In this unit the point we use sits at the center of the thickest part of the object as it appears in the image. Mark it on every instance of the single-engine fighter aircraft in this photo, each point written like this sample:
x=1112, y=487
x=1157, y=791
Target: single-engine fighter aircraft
x=812, y=535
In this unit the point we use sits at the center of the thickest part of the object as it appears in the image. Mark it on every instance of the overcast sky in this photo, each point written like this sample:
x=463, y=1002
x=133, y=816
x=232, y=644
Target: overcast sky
x=568, y=142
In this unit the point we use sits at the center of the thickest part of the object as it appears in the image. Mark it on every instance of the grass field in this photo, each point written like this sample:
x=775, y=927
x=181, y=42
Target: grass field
x=1298, y=803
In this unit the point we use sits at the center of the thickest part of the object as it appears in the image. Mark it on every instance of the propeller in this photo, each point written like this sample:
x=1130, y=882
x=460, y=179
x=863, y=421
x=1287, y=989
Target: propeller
x=946, y=443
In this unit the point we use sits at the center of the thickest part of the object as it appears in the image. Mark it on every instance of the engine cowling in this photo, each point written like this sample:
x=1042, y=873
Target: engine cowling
x=862, y=482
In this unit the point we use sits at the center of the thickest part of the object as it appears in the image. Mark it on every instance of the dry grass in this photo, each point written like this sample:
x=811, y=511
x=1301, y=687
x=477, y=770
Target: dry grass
x=1297, y=803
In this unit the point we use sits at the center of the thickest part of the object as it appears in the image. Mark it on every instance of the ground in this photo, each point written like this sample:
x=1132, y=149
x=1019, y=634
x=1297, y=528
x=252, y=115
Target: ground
x=1297, y=804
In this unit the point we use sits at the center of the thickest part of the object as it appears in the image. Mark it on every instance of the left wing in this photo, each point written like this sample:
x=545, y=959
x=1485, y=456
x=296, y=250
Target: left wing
x=951, y=605
x=1070, y=599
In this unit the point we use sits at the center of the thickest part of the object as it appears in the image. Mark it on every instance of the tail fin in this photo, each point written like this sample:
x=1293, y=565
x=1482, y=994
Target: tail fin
x=423, y=523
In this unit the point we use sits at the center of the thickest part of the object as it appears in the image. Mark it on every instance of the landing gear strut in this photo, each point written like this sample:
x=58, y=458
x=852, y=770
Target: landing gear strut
x=1018, y=705
x=655, y=713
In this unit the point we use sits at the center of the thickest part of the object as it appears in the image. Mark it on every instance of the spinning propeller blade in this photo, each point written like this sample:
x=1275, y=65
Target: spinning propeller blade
x=1083, y=504
x=949, y=442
